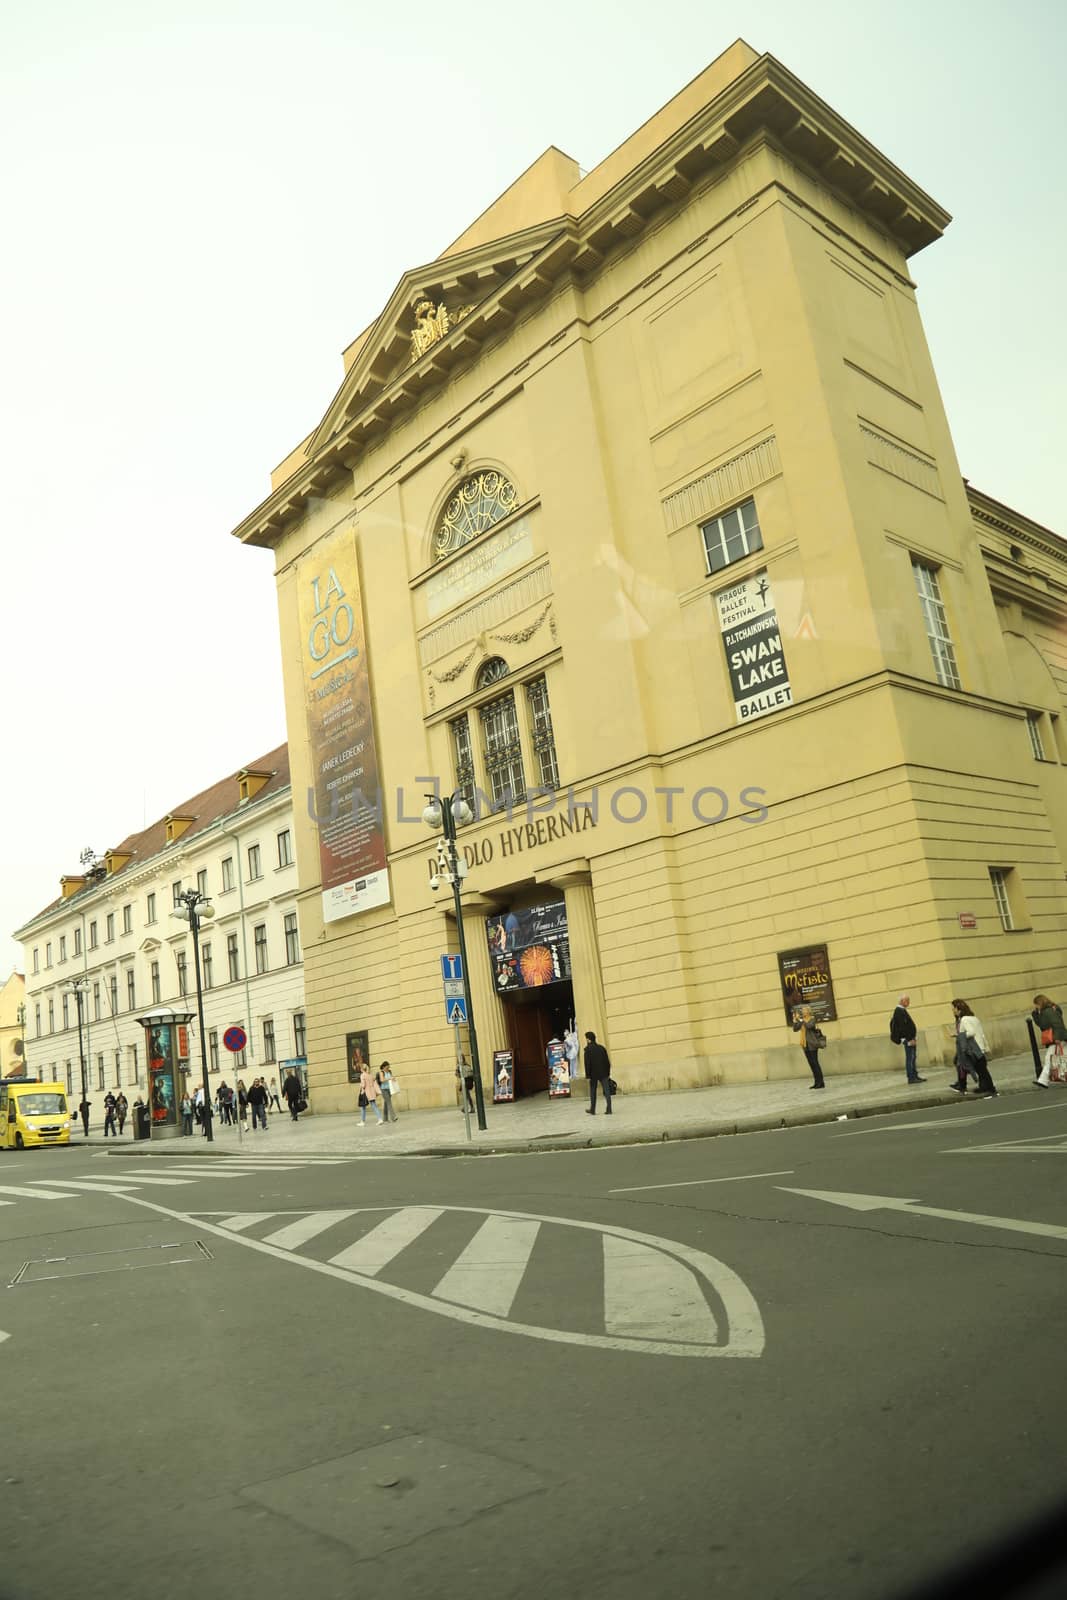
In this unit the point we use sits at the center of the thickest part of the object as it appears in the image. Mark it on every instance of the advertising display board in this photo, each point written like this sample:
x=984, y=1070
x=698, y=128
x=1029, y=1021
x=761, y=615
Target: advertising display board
x=529, y=948
x=806, y=981
x=162, y=1096
x=752, y=640
x=559, y=1074
x=503, y=1076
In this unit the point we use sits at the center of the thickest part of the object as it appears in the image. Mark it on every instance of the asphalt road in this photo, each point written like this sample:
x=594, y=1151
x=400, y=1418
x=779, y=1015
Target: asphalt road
x=686, y=1370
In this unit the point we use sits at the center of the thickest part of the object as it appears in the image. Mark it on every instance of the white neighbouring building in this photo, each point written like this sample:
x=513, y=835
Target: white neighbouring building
x=112, y=929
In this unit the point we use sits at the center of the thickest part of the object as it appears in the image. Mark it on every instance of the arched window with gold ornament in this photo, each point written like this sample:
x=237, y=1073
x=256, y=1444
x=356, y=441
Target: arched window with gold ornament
x=481, y=501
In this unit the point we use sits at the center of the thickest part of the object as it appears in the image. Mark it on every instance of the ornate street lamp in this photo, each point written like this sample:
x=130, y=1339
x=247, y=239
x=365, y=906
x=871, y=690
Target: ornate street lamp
x=193, y=907
x=79, y=987
x=443, y=814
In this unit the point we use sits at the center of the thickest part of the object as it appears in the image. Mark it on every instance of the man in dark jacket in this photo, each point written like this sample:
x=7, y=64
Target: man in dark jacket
x=597, y=1070
x=293, y=1092
x=902, y=1030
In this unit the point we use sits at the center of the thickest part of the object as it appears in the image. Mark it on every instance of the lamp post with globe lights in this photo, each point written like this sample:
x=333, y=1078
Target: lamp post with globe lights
x=443, y=813
x=194, y=908
x=79, y=988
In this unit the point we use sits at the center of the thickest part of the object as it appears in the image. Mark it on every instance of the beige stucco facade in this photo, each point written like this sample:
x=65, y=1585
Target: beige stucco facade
x=722, y=313
x=12, y=1025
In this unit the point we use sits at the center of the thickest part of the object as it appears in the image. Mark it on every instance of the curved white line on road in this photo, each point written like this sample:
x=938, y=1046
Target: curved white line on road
x=745, y=1333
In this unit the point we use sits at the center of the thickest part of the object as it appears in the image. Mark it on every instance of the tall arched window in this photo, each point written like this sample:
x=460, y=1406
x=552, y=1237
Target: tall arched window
x=480, y=501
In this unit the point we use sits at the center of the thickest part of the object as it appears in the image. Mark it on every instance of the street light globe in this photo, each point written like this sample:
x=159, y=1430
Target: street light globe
x=432, y=814
x=205, y=911
x=462, y=811
x=181, y=912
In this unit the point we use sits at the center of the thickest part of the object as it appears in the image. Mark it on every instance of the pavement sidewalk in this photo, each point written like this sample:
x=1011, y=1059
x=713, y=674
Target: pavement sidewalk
x=542, y=1124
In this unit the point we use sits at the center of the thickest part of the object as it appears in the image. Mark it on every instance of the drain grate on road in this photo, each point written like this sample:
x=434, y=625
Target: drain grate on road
x=94, y=1263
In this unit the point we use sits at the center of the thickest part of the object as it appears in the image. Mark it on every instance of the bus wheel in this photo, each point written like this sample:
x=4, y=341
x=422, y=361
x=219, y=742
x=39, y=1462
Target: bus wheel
x=20, y=1143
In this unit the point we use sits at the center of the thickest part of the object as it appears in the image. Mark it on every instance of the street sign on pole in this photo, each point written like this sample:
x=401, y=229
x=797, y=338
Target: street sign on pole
x=456, y=1011
x=452, y=968
x=235, y=1039
x=454, y=989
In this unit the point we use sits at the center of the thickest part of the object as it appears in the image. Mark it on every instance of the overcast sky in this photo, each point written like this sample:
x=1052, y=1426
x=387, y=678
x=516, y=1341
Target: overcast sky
x=203, y=203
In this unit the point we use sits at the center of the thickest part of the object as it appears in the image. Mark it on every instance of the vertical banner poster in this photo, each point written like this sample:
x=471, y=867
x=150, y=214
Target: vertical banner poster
x=503, y=1076
x=161, y=1096
x=806, y=981
x=357, y=1050
x=344, y=762
x=559, y=1075
x=752, y=640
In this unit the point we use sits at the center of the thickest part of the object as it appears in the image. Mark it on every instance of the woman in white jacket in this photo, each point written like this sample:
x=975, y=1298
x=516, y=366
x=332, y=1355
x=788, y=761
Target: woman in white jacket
x=972, y=1051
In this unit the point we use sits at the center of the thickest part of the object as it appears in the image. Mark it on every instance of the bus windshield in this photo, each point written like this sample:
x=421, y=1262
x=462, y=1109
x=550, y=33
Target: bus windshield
x=42, y=1105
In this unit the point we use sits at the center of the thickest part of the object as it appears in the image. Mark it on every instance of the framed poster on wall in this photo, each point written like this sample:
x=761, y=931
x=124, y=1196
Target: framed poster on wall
x=806, y=981
x=503, y=1076
x=357, y=1053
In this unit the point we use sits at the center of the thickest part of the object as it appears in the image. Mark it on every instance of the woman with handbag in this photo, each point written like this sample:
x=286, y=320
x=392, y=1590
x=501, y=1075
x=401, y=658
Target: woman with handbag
x=388, y=1086
x=812, y=1040
x=972, y=1052
x=368, y=1096
x=1049, y=1019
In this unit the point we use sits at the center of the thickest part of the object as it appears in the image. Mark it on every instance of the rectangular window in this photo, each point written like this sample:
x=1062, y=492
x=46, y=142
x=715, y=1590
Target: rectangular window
x=544, y=741
x=150, y=908
x=66, y=1011
x=201, y=883
x=70, y=1077
x=227, y=875
x=300, y=1043
x=259, y=934
x=96, y=1002
x=231, y=957
x=62, y=947
x=463, y=758
x=253, y=863
x=154, y=975
x=37, y=1022
x=127, y=919
x=93, y=941
x=48, y=953
x=176, y=893
x=285, y=848
x=109, y=928
x=113, y=992
x=206, y=967
x=269, y=1052
x=51, y=1016
x=729, y=537
x=132, y=1068
x=292, y=939
x=1033, y=728
x=99, y=1072
x=118, y=1069
x=36, y=959
x=1009, y=898
x=77, y=942
x=502, y=749
x=183, y=974
x=213, y=1049
x=131, y=990
x=936, y=624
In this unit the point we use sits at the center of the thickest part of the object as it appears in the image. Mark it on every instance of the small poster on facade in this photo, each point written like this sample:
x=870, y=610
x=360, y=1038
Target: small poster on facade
x=529, y=948
x=752, y=640
x=503, y=1076
x=806, y=981
x=559, y=1077
x=357, y=1053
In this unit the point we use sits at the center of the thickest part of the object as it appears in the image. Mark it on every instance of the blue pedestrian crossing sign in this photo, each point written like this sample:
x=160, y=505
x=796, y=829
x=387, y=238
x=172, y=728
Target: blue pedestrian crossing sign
x=456, y=1011
x=451, y=967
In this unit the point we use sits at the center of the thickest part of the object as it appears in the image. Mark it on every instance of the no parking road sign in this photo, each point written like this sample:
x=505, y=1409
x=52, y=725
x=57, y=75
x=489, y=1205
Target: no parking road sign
x=235, y=1039
x=456, y=1011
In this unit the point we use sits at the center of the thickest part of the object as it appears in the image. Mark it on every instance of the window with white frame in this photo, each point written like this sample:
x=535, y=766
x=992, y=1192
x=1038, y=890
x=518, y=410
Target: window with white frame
x=207, y=968
x=153, y=973
x=213, y=1049
x=62, y=948
x=93, y=941
x=96, y=1002
x=118, y=1069
x=998, y=877
x=936, y=624
x=100, y=1072
x=227, y=874
x=269, y=1051
x=259, y=937
x=37, y=1022
x=254, y=868
x=285, y=848
x=176, y=893
x=1033, y=728
x=113, y=993
x=36, y=959
x=77, y=941
x=127, y=919
x=730, y=537
x=150, y=908
x=232, y=960
x=131, y=989
x=109, y=928
x=133, y=1070
x=66, y=1011
x=292, y=939
x=181, y=961
x=300, y=1042
x=48, y=953
x=201, y=883
x=51, y=1016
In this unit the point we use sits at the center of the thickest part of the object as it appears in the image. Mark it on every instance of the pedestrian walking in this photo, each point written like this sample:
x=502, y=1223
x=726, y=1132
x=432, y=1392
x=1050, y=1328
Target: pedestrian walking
x=83, y=1112
x=198, y=1105
x=902, y=1030
x=368, y=1096
x=466, y=1079
x=598, y=1071
x=242, y=1102
x=388, y=1086
x=122, y=1109
x=187, y=1116
x=257, y=1099
x=294, y=1095
x=274, y=1101
x=972, y=1052
x=812, y=1040
x=109, y=1115
x=1049, y=1018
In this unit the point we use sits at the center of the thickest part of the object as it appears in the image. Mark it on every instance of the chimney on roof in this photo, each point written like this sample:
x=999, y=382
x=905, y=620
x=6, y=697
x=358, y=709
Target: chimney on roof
x=251, y=781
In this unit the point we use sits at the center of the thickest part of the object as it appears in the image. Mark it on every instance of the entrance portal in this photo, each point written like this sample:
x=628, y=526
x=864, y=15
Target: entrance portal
x=534, y=1016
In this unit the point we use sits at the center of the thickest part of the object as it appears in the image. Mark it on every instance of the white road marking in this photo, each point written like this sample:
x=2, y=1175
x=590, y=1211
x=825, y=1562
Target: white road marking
x=3, y=1336
x=1042, y=1145
x=488, y=1273
x=245, y=1219
x=955, y=1122
x=163, y=1183
x=649, y=1295
x=294, y=1234
x=745, y=1335
x=100, y=1186
x=691, y=1183
x=378, y=1247
x=31, y=1194
x=880, y=1202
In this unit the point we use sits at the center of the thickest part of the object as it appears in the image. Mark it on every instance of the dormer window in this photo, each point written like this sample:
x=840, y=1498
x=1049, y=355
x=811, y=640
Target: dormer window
x=481, y=500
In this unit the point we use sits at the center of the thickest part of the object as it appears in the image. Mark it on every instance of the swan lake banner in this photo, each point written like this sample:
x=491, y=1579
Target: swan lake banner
x=752, y=640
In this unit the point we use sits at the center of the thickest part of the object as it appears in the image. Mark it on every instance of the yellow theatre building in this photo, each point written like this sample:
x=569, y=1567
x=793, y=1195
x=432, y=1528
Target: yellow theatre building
x=637, y=521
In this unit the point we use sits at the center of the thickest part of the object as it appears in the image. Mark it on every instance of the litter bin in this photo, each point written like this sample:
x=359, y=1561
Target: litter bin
x=142, y=1125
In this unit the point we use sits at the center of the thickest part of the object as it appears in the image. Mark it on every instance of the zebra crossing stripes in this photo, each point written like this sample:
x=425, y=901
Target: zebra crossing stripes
x=294, y=1234
x=376, y=1249
x=643, y=1293
x=489, y=1271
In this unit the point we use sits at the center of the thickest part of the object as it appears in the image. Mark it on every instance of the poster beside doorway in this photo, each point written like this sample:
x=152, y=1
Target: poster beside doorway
x=503, y=1076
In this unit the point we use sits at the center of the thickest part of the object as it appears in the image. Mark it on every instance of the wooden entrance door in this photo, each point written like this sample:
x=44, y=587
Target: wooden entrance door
x=529, y=1030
